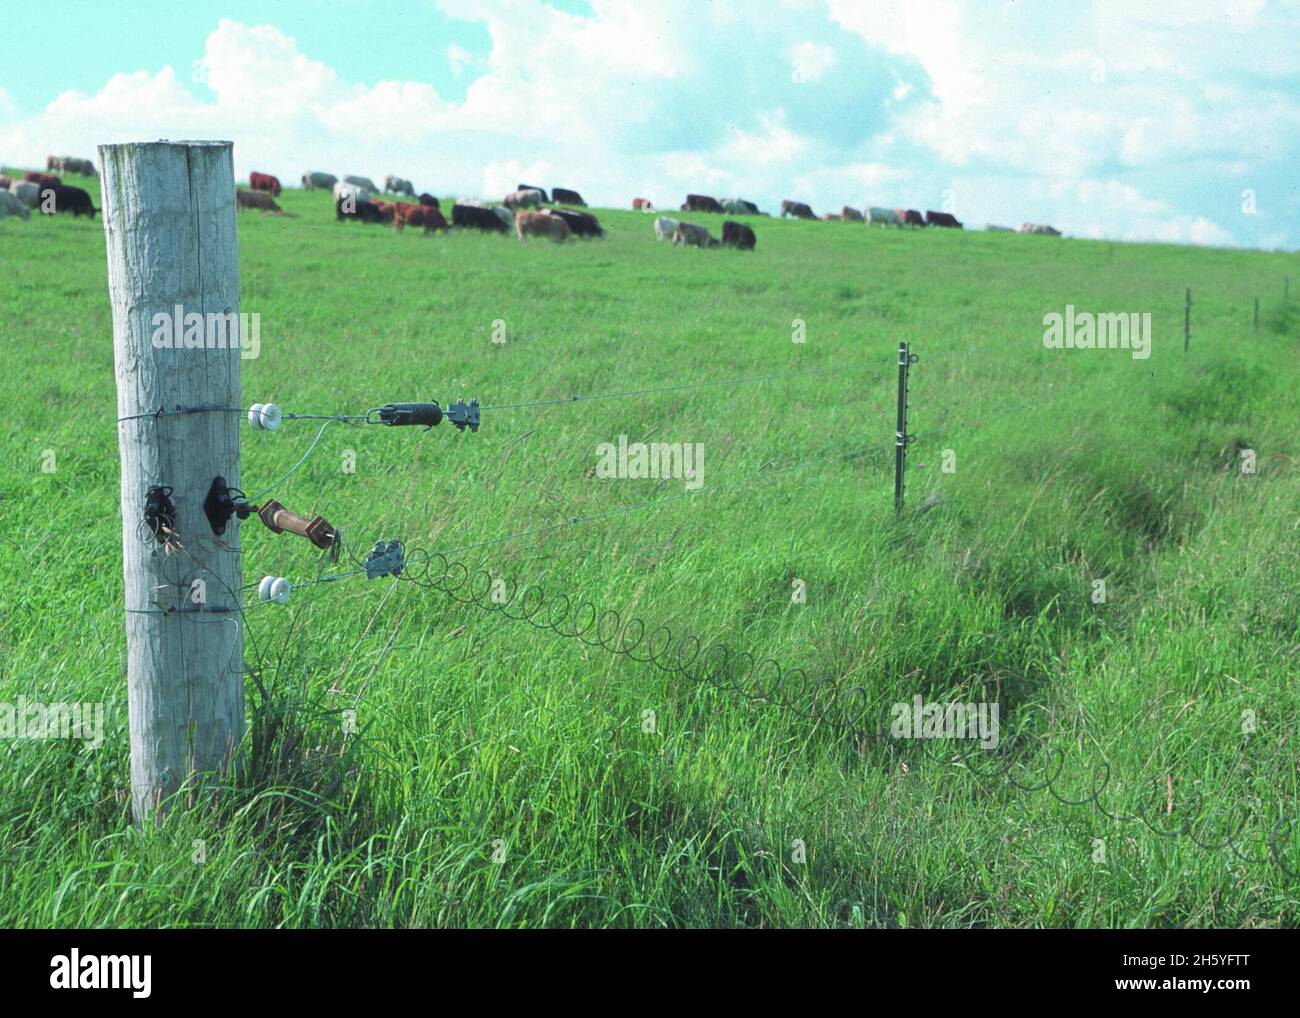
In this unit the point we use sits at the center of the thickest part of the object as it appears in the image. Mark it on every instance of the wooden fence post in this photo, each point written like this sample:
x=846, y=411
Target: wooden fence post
x=173, y=282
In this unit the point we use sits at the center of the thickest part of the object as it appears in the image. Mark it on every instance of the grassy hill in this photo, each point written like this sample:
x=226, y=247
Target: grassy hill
x=502, y=774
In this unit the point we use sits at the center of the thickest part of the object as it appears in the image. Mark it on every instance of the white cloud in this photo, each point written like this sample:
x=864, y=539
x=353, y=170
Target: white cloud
x=460, y=58
x=261, y=68
x=810, y=61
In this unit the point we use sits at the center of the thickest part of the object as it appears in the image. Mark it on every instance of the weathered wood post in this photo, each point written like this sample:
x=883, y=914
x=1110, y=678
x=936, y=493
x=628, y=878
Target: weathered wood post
x=173, y=282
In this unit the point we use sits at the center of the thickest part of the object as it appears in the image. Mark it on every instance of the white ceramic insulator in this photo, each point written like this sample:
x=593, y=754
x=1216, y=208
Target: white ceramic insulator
x=273, y=588
x=264, y=416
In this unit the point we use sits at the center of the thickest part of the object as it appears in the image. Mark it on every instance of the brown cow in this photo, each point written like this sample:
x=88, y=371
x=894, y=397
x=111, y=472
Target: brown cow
x=427, y=216
x=4, y=183
x=255, y=200
x=264, y=182
x=44, y=179
x=53, y=163
x=541, y=225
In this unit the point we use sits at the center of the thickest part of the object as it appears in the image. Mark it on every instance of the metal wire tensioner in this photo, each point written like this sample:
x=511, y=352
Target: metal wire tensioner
x=463, y=415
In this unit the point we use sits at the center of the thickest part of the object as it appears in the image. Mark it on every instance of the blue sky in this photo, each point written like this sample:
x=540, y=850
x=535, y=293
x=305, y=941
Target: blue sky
x=1175, y=120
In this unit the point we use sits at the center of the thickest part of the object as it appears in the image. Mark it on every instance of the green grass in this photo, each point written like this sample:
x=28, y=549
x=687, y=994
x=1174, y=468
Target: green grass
x=1071, y=466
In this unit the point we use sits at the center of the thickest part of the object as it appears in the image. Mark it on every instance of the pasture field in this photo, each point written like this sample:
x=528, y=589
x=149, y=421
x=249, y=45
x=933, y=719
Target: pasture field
x=502, y=775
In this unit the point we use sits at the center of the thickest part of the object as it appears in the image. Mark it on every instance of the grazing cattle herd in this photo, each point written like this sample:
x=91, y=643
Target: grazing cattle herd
x=528, y=209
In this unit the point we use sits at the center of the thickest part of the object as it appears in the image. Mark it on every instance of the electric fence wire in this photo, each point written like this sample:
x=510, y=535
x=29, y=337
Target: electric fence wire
x=758, y=680
x=627, y=393
x=578, y=398
x=846, y=710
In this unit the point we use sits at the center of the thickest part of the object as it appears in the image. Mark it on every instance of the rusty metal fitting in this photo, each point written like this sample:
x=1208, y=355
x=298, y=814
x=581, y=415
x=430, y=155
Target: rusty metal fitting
x=278, y=520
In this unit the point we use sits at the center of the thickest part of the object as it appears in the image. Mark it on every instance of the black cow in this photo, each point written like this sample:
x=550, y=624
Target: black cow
x=581, y=224
x=942, y=219
x=738, y=235
x=428, y=199
x=362, y=211
x=471, y=217
x=534, y=187
x=70, y=199
x=563, y=196
x=702, y=203
x=910, y=217
x=796, y=208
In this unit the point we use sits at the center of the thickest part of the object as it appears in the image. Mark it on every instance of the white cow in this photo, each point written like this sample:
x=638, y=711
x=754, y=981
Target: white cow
x=527, y=198
x=11, y=206
x=885, y=217
x=664, y=228
x=363, y=182
x=343, y=191
x=397, y=185
x=26, y=191
x=311, y=181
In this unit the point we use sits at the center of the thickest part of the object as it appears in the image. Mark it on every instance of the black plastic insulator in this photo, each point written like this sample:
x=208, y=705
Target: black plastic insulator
x=159, y=511
x=222, y=502
x=399, y=414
